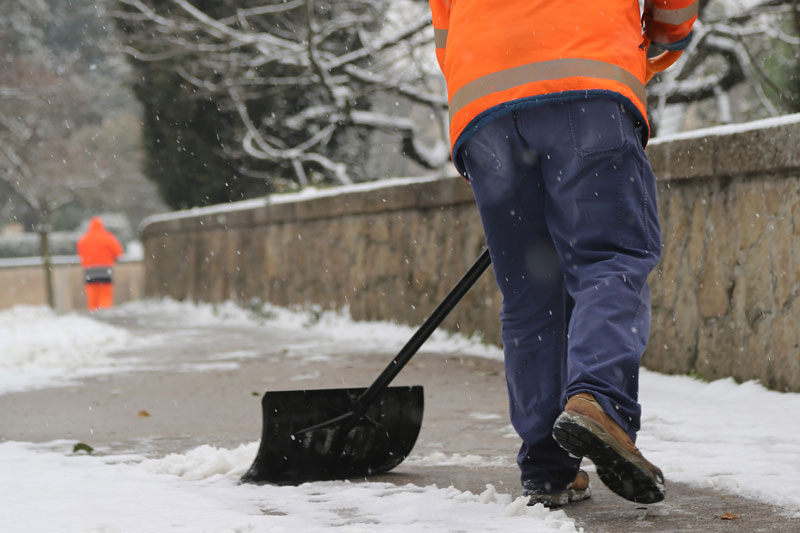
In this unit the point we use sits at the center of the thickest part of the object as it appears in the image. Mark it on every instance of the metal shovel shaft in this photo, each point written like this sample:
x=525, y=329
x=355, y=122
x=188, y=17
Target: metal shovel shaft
x=414, y=343
x=425, y=330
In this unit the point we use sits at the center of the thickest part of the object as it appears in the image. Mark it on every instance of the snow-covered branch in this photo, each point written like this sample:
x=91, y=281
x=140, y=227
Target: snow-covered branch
x=735, y=49
x=302, y=77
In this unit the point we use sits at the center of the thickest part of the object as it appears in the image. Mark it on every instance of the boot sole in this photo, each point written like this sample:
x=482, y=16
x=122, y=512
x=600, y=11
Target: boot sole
x=621, y=471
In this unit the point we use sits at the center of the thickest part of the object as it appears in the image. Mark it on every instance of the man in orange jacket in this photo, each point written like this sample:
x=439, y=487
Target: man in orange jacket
x=548, y=122
x=98, y=250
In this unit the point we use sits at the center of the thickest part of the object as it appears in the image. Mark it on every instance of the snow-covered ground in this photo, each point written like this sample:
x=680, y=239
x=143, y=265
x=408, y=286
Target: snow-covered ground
x=740, y=438
x=198, y=492
x=39, y=348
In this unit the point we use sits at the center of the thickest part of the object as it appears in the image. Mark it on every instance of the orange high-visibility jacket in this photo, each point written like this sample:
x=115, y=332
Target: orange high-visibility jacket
x=500, y=55
x=98, y=246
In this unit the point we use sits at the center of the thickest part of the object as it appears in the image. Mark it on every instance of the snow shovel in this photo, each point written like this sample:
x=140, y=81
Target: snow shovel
x=315, y=435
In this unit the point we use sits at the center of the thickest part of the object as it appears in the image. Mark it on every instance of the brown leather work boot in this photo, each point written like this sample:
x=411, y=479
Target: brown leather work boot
x=585, y=430
x=576, y=491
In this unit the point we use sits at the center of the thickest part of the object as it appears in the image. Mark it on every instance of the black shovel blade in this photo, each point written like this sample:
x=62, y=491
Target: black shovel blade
x=342, y=446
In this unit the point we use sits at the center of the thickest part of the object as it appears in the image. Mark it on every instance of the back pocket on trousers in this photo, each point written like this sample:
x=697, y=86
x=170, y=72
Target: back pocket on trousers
x=596, y=126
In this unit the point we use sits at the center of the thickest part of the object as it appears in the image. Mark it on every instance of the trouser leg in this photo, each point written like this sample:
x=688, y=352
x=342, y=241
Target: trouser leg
x=105, y=295
x=602, y=216
x=510, y=194
x=91, y=296
x=567, y=181
x=99, y=295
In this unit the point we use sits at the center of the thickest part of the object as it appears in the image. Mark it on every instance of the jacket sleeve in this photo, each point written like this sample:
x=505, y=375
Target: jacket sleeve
x=668, y=23
x=440, y=9
x=116, y=247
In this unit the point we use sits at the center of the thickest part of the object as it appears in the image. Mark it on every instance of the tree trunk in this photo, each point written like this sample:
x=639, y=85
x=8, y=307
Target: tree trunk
x=44, y=250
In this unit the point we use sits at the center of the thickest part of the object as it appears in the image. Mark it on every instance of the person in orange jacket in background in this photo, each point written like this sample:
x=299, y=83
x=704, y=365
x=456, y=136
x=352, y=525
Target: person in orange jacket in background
x=548, y=122
x=98, y=250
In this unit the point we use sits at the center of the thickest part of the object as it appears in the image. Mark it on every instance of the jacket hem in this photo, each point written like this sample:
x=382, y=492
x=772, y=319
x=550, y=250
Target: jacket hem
x=505, y=108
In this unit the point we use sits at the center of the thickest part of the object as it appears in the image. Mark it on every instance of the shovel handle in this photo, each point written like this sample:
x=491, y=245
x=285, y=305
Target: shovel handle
x=421, y=335
x=661, y=62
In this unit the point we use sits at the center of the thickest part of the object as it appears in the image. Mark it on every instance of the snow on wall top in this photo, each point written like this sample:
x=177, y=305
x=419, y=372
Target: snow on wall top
x=729, y=129
x=309, y=193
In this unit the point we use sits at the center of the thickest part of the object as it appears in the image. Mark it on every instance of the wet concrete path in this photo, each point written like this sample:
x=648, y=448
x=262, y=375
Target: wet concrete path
x=203, y=385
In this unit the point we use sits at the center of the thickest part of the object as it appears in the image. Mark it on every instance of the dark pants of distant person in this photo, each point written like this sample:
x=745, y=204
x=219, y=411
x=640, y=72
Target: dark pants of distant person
x=568, y=204
x=99, y=287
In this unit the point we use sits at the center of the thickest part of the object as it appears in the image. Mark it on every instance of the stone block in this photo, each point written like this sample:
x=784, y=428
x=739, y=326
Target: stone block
x=795, y=243
x=687, y=323
x=674, y=231
x=716, y=349
x=695, y=249
x=379, y=229
x=683, y=158
x=749, y=214
x=784, y=349
x=774, y=201
x=754, y=360
x=761, y=150
x=714, y=284
x=664, y=350
x=756, y=270
x=780, y=236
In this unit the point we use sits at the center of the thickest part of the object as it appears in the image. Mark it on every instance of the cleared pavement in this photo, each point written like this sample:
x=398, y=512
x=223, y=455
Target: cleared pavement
x=195, y=395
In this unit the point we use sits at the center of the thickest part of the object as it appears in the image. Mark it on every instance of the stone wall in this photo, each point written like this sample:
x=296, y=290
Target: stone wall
x=725, y=296
x=388, y=253
x=25, y=285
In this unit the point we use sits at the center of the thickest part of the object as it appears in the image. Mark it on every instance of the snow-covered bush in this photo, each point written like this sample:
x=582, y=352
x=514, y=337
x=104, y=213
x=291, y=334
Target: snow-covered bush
x=27, y=244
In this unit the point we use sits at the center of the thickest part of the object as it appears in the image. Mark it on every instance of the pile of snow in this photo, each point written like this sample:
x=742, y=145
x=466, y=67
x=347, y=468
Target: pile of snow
x=739, y=438
x=459, y=459
x=333, y=327
x=205, y=462
x=134, y=251
x=38, y=347
x=171, y=312
x=180, y=493
x=381, y=336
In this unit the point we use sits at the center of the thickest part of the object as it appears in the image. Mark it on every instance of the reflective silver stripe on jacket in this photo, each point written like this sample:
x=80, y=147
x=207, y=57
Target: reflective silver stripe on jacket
x=544, y=71
x=440, y=38
x=676, y=17
x=97, y=275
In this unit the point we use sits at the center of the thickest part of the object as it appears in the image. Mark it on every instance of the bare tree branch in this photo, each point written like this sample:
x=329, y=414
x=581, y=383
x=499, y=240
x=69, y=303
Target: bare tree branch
x=722, y=56
x=335, y=64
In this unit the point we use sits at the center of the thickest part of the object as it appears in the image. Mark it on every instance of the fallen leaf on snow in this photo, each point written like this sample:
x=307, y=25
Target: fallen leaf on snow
x=82, y=447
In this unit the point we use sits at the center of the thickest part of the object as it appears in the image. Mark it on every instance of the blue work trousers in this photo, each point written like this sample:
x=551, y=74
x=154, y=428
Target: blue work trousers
x=567, y=199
